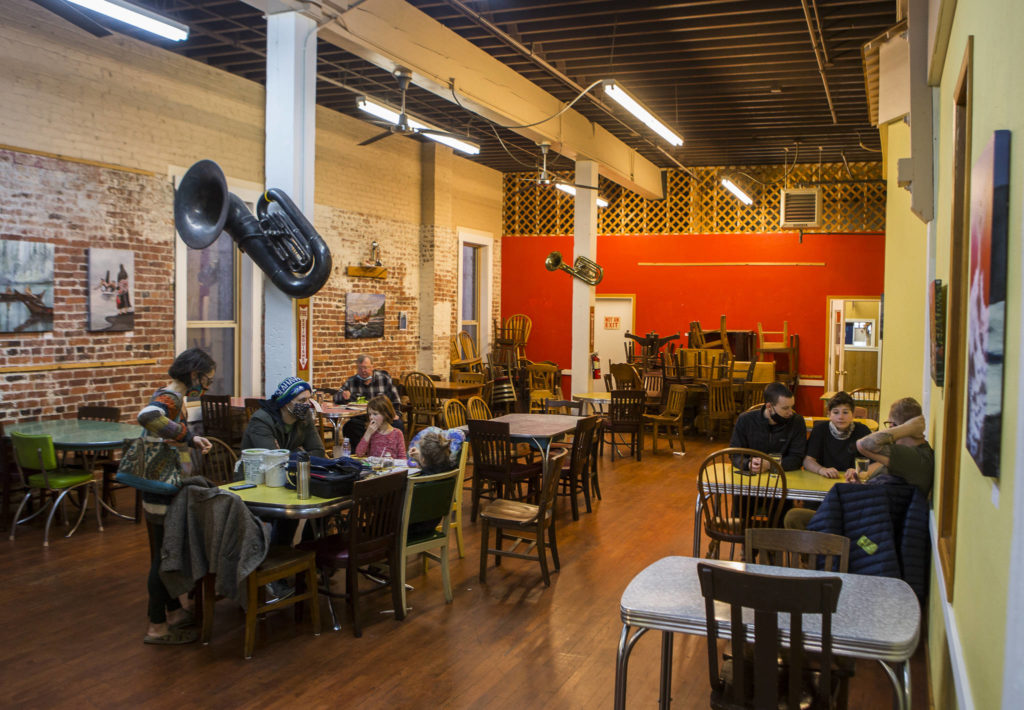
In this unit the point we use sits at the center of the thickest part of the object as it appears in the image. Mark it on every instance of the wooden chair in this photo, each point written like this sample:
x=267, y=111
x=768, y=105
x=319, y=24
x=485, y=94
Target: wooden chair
x=517, y=329
x=741, y=371
x=470, y=355
x=753, y=395
x=474, y=378
x=254, y=404
x=543, y=384
x=754, y=680
x=494, y=463
x=625, y=376
x=575, y=477
x=513, y=520
x=733, y=501
x=800, y=549
x=427, y=498
x=326, y=428
x=721, y=406
x=454, y=414
x=455, y=521
x=671, y=418
x=626, y=416
x=563, y=406
x=216, y=409
x=218, y=464
x=280, y=563
x=868, y=398
x=106, y=462
x=764, y=372
x=374, y=524
x=424, y=406
x=654, y=386
x=772, y=341
x=36, y=460
x=476, y=408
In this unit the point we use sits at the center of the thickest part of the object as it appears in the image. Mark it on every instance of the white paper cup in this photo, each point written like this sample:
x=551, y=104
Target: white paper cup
x=274, y=462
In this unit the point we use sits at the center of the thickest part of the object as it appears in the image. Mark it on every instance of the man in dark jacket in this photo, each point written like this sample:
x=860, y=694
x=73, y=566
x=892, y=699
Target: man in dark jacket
x=774, y=428
x=285, y=421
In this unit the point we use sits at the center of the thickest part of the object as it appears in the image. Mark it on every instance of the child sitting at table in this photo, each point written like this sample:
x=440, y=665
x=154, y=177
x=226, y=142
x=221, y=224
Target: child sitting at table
x=380, y=436
x=434, y=451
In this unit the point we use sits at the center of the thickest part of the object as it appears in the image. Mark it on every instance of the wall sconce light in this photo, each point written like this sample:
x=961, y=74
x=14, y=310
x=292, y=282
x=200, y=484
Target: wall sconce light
x=612, y=88
x=732, y=184
x=137, y=17
x=571, y=190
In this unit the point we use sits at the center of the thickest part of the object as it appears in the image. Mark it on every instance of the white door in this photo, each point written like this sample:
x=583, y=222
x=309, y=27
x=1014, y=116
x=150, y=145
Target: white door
x=613, y=318
x=836, y=340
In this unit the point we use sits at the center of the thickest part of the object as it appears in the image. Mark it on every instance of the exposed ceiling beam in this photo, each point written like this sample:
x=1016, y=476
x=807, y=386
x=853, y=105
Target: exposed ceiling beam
x=392, y=33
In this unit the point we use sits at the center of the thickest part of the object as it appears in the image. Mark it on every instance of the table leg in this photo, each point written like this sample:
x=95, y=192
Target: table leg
x=665, y=693
x=900, y=687
x=89, y=462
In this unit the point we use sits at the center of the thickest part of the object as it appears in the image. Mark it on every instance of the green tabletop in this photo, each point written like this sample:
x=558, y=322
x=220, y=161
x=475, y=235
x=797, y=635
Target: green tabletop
x=80, y=434
x=281, y=502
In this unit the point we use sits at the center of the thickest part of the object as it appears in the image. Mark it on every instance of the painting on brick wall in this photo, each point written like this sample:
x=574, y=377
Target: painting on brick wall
x=986, y=333
x=26, y=286
x=111, y=289
x=364, y=315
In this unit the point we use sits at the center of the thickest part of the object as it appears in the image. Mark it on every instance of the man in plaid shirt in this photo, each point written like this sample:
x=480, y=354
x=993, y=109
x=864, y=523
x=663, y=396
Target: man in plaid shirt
x=367, y=383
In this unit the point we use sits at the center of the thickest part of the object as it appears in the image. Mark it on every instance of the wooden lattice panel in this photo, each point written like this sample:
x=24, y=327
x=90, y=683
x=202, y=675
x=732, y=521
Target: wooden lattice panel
x=853, y=200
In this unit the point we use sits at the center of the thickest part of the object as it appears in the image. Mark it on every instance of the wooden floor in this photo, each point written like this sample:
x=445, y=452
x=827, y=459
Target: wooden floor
x=73, y=617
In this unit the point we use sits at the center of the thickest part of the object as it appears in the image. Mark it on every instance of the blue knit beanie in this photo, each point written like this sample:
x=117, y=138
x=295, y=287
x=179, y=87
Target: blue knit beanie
x=289, y=389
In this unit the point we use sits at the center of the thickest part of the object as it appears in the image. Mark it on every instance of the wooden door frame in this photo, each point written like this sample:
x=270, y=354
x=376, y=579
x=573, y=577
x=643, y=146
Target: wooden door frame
x=828, y=328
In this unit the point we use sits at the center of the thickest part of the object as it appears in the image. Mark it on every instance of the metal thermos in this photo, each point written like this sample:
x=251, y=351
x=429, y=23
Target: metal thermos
x=302, y=475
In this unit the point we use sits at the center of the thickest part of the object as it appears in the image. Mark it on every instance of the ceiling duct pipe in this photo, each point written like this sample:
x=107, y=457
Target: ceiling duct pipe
x=820, y=60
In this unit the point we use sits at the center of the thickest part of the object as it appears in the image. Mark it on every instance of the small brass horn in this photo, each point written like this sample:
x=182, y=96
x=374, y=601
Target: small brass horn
x=584, y=269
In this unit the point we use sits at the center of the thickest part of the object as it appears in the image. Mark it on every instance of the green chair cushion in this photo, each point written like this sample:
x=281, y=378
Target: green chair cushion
x=64, y=479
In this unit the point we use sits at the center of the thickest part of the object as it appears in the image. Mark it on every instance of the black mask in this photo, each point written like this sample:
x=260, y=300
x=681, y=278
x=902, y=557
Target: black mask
x=300, y=410
x=776, y=419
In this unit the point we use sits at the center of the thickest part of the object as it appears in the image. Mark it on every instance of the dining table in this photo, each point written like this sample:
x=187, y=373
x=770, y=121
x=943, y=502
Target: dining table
x=801, y=484
x=869, y=423
x=279, y=502
x=457, y=390
x=876, y=618
x=597, y=401
x=539, y=430
x=86, y=437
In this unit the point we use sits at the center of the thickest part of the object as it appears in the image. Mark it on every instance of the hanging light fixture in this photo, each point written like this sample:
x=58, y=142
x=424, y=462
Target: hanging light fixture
x=571, y=190
x=732, y=184
x=137, y=17
x=612, y=88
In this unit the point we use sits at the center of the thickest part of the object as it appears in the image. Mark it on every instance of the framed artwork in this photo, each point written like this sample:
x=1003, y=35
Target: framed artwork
x=403, y=320
x=937, y=322
x=111, y=289
x=986, y=333
x=26, y=286
x=364, y=315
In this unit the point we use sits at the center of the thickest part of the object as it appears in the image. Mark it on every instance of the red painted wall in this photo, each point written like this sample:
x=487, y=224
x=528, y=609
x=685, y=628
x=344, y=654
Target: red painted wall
x=669, y=297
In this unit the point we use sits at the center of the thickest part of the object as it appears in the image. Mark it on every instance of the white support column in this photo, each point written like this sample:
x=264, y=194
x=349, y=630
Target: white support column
x=291, y=130
x=584, y=244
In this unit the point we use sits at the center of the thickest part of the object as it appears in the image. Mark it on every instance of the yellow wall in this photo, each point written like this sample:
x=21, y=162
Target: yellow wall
x=985, y=515
x=905, y=308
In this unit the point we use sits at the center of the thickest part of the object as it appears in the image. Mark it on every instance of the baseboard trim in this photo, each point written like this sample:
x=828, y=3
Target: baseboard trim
x=964, y=698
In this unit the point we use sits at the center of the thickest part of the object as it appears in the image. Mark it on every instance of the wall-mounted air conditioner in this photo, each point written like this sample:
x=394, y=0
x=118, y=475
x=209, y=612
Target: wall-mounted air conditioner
x=801, y=207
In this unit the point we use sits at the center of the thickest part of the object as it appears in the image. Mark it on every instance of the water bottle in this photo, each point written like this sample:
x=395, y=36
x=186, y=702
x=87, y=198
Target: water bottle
x=346, y=448
x=302, y=475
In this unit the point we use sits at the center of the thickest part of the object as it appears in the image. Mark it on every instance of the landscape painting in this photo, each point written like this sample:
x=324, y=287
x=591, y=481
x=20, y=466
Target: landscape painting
x=986, y=333
x=111, y=289
x=26, y=286
x=364, y=315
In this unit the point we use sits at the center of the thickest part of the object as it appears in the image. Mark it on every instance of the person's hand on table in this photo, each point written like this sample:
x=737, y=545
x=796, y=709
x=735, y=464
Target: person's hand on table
x=829, y=472
x=345, y=395
x=755, y=464
x=202, y=443
x=851, y=476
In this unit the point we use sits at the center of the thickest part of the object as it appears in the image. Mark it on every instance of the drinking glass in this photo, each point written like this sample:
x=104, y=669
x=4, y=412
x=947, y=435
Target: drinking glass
x=386, y=461
x=862, y=468
x=374, y=462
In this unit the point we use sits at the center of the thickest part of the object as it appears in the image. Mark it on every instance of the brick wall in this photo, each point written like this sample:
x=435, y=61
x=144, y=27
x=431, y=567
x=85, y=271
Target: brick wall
x=74, y=207
x=140, y=111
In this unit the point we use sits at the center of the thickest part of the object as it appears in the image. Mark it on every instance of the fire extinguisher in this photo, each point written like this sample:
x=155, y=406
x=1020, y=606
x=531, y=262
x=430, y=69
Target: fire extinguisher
x=595, y=365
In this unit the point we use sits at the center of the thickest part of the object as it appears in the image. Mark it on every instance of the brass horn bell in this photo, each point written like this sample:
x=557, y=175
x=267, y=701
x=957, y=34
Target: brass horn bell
x=583, y=269
x=281, y=242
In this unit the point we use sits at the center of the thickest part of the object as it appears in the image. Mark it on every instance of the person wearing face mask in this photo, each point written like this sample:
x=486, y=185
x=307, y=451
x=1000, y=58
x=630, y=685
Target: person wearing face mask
x=774, y=428
x=285, y=421
x=164, y=416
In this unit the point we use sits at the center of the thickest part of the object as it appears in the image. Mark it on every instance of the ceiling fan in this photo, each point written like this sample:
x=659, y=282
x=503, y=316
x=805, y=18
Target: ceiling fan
x=549, y=179
x=398, y=122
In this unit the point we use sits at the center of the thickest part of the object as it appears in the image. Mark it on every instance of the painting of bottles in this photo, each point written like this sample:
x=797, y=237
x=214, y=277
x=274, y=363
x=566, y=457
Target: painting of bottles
x=26, y=286
x=111, y=289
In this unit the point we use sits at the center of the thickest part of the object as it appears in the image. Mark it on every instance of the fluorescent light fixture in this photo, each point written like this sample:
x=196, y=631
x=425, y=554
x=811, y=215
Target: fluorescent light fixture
x=615, y=91
x=137, y=17
x=571, y=190
x=391, y=115
x=735, y=189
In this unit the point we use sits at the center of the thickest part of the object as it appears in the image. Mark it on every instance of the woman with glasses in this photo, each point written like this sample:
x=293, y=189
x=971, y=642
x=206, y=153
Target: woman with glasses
x=164, y=416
